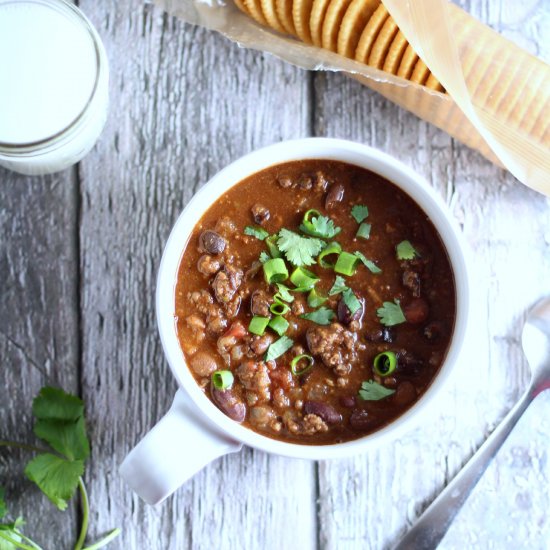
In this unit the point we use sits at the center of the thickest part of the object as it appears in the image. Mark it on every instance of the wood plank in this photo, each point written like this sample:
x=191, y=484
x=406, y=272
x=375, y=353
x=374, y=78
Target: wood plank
x=370, y=501
x=185, y=102
x=38, y=329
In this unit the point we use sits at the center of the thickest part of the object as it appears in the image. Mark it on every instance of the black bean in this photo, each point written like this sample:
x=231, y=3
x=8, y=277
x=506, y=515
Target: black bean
x=344, y=313
x=211, y=242
x=229, y=404
x=260, y=214
x=348, y=401
x=433, y=331
x=335, y=194
x=360, y=420
x=329, y=414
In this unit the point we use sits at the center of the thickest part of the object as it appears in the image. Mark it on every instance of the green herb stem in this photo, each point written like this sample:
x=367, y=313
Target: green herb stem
x=24, y=446
x=16, y=543
x=85, y=515
x=105, y=540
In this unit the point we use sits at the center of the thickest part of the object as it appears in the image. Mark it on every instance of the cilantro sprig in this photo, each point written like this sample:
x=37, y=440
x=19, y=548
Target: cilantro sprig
x=58, y=470
x=254, y=231
x=391, y=314
x=359, y=212
x=373, y=391
x=321, y=316
x=406, y=251
x=317, y=225
x=297, y=249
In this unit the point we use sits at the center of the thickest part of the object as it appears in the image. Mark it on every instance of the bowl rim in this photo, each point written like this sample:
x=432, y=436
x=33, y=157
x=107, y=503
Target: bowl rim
x=299, y=149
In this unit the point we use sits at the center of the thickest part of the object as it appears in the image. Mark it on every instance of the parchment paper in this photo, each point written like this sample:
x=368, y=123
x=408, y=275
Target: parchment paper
x=498, y=95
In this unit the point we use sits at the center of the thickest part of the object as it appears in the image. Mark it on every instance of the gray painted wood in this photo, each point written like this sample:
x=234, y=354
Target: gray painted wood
x=38, y=328
x=184, y=103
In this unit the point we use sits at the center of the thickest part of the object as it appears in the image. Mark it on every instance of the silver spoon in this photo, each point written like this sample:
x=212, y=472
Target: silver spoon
x=432, y=525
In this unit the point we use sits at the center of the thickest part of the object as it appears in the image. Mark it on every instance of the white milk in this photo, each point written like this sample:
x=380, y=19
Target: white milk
x=53, y=85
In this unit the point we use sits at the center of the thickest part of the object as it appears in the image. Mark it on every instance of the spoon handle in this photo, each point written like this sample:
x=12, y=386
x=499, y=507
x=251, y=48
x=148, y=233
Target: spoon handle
x=436, y=519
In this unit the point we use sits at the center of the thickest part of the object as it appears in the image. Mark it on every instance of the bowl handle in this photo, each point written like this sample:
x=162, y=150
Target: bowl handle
x=180, y=445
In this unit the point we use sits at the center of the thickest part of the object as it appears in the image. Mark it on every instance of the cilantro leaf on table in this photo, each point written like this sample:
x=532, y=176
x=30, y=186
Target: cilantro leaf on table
x=373, y=391
x=60, y=422
x=406, y=251
x=338, y=286
x=255, y=231
x=369, y=264
x=297, y=249
x=351, y=300
x=321, y=316
x=391, y=314
x=56, y=477
x=320, y=226
x=359, y=212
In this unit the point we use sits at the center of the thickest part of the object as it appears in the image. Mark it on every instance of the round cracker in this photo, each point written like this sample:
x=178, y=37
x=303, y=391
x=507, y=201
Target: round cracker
x=331, y=25
x=408, y=62
x=355, y=19
x=382, y=43
x=301, y=12
x=318, y=12
x=370, y=33
x=270, y=14
x=254, y=8
x=433, y=84
x=420, y=72
x=395, y=53
x=241, y=6
x=284, y=13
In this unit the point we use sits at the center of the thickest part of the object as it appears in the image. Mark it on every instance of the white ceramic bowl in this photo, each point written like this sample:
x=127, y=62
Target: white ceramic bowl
x=311, y=148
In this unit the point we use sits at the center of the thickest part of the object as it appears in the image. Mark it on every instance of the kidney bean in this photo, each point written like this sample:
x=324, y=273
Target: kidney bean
x=433, y=331
x=405, y=394
x=360, y=420
x=344, y=313
x=229, y=404
x=416, y=311
x=329, y=414
x=348, y=401
x=211, y=242
x=335, y=194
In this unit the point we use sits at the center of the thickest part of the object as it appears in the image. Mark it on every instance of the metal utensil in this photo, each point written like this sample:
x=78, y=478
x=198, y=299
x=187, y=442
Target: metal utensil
x=434, y=522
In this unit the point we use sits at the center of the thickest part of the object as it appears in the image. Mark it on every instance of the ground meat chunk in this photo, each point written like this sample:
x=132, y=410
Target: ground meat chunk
x=411, y=280
x=280, y=399
x=313, y=424
x=208, y=265
x=260, y=214
x=226, y=283
x=259, y=303
x=259, y=344
x=284, y=181
x=216, y=321
x=254, y=376
x=226, y=226
x=196, y=326
x=202, y=300
x=334, y=345
x=261, y=416
x=298, y=306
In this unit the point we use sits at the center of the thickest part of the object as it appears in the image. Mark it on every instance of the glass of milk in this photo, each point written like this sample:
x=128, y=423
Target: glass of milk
x=53, y=85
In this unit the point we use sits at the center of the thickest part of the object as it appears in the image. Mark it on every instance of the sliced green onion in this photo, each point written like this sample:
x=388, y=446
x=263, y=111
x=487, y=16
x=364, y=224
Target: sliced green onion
x=385, y=363
x=303, y=278
x=278, y=348
x=278, y=307
x=331, y=249
x=314, y=299
x=309, y=214
x=294, y=364
x=351, y=301
x=346, y=263
x=222, y=379
x=258, y=324
x=364, y=231
x=278, y=324
x=271, y=243
x=275, y=271
x=284, y=293
x=317, y=225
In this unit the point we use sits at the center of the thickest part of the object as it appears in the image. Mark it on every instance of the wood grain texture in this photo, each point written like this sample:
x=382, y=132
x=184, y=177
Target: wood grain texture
x=185, y=103
x=38, y=329
x=84, y=253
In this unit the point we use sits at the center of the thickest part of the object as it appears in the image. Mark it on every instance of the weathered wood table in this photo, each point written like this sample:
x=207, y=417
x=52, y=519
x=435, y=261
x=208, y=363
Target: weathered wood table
x=78, y=258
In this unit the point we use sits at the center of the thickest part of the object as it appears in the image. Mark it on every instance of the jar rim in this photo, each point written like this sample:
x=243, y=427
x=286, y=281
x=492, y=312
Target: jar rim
x=73, y=11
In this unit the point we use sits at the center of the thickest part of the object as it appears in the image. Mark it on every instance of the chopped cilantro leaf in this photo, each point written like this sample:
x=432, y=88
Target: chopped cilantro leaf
x=255, y=231
x=321, y=316
x=278, y=348
x=297, y=249
x=264, y=257
x=338, y=286
x=406, y=251
x=319, y=226
x=351, y=300
x=360, y=212
x=391, y=314
x=372, y=391
x=369, y=264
